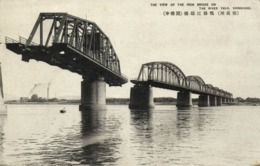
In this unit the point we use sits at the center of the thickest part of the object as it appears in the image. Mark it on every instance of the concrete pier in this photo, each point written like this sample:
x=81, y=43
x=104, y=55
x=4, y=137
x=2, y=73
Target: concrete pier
x=184, y=99
x=141, y=97
x=213, y=101
x=204, y=101
x=219, y=101
x=93, y=94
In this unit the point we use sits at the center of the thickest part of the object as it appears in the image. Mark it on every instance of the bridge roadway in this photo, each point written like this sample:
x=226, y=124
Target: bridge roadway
x=168, y=76
x=77, y=45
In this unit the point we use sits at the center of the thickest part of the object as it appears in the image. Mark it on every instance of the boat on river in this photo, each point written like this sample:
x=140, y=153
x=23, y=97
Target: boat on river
x=62, y=110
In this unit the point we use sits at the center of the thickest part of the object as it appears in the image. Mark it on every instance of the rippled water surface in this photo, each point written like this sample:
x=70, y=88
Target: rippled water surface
x=41, y=135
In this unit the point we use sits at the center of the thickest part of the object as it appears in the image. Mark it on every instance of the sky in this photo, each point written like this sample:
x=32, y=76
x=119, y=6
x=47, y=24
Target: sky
x=223, y=50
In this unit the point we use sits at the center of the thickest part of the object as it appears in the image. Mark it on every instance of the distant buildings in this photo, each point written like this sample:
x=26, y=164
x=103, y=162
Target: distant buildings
x=248, y=100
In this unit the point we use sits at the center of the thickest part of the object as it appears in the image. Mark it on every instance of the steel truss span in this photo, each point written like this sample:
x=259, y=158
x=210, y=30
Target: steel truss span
x=71, y=43
x=169, y=76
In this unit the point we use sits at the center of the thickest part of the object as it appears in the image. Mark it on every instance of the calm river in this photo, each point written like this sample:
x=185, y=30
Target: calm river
x=214, y=136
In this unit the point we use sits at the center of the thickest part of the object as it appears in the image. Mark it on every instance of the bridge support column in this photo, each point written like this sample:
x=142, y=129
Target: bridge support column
x=184, y=99
x=213, y=101
x=219, y=101
x=141, y=97
x=204, y=101
x=93, y=94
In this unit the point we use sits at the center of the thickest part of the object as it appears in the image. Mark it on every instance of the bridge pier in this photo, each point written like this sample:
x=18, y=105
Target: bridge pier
x=213, y=101
x=219, y=101
x=141, y=97
x=204, y=101
x=93, y=94
x=184, y=99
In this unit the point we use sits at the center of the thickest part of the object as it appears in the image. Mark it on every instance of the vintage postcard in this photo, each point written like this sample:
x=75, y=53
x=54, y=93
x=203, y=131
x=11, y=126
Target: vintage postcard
x=140, y=82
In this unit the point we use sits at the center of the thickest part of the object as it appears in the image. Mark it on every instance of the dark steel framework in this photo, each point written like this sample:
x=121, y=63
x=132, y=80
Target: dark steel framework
x=169, y=76
x=71, y=43
x=161, y=71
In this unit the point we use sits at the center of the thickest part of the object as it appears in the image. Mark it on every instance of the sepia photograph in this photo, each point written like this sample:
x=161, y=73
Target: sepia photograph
x=130, y=83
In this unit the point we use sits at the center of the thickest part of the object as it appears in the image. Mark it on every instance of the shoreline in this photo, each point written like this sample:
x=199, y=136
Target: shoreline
x=118, y=103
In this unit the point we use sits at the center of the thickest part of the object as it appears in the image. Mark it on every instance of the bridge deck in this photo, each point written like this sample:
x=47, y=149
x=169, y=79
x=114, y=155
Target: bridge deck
x=167, y=75
x=71, y=43
x=169, y=86
x=67, y=57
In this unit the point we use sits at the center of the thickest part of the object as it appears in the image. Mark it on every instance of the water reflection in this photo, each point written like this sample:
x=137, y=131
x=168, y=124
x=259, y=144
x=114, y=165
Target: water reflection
x=2, y=135
x=183, y=123
x=204, y=118
x=40, y=135
x=91, y=121
x=184, y=108
x=141, y=119
x=142, y=144
x=99, y=143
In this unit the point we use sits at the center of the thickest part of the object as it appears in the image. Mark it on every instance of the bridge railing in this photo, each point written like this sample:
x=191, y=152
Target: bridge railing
x=10, y=40
x=21, y=40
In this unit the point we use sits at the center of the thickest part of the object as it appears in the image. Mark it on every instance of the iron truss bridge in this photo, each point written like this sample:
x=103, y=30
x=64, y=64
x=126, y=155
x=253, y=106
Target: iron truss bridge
x=71, y=43
x=168, y=76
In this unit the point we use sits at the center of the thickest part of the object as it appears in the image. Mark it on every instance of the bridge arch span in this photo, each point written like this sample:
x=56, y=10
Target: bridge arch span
x=199, y=79
x=162, y=72
x=209, y=88
x=167, y=75
x=195, y=82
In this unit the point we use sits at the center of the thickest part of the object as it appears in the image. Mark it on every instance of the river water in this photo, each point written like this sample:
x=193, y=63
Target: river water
x=213, y=136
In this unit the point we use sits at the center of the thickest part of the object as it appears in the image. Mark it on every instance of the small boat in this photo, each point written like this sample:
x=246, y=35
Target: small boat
x=62, y=110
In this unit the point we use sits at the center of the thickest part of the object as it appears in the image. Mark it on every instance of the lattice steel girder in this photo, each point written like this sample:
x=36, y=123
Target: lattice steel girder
x=80, y=33
x=163, y=67
x=197, y=78
x=78, y=45
x=158, y=74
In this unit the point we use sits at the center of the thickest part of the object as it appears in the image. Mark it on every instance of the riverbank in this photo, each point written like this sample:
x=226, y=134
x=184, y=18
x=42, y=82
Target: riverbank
x=123, y=101
x=120, y=103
